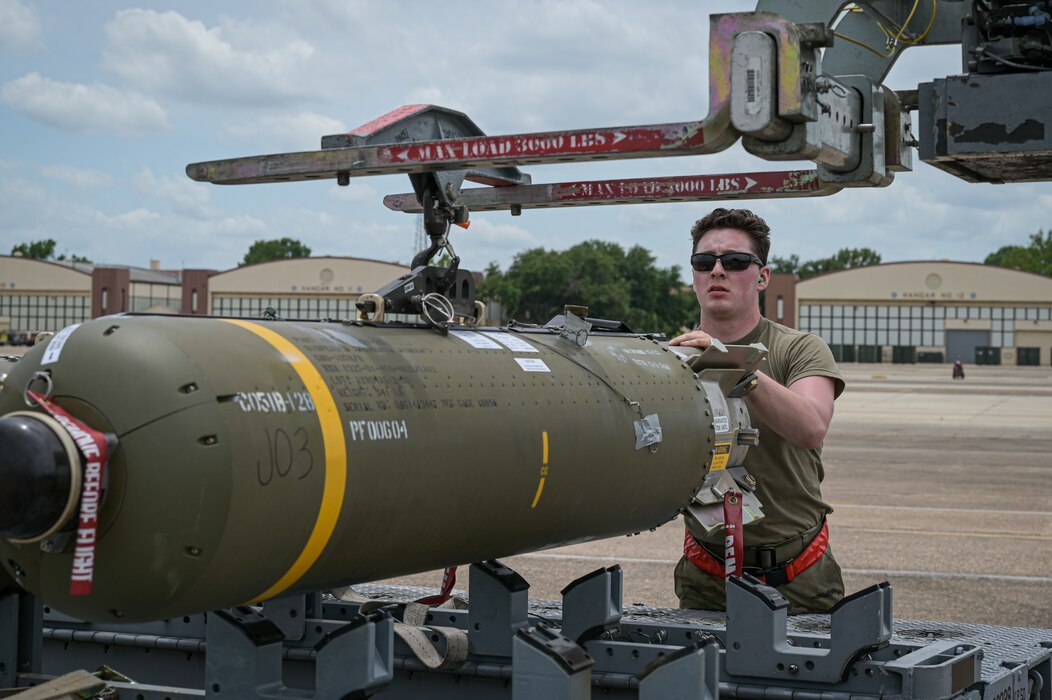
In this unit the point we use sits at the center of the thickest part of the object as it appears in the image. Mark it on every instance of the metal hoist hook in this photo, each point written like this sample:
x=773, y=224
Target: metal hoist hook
x=49, y=384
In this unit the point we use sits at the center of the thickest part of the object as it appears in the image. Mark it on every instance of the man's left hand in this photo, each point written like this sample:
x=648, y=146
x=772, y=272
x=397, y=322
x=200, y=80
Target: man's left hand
x=693, y=339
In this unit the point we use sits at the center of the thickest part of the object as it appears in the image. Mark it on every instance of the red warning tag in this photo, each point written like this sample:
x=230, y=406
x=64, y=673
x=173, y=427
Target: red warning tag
x=95, y=451
x=734, y=541
x=449, y=579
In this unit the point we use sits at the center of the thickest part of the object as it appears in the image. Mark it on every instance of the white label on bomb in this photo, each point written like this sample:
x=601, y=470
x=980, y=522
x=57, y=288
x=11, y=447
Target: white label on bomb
x=513, y=342
x=54, y=346
x=532, y=364
x=476, y=340
x=720, y=421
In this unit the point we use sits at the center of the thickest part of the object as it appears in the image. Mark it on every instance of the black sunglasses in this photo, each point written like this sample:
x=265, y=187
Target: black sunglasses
x=732, y=262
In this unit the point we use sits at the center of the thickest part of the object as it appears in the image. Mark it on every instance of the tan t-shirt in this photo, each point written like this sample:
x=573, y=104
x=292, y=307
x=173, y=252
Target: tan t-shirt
x=788, y=477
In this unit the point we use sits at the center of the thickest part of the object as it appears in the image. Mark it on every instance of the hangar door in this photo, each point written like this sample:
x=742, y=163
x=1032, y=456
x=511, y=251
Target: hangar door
x=962, y=344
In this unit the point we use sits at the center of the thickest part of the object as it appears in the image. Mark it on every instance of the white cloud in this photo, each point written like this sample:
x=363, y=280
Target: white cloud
x=338, y=14
x=134, y=237
x=327, y=234
x=488, y=240
x=231, y=65
x=18, y=198
x=186, y=197
x=216, y=243
x=356, y=191
x=134, y=220
x=534, y=65
x=19, y=26
x=287, y=132
x=390, y=242
x=124, y=234
x=426, y=95
x=76, y=177
x=83, y=108
x=575, y=64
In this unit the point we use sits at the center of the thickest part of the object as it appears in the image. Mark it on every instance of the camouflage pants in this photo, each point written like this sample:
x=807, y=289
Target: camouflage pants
x=816, y=589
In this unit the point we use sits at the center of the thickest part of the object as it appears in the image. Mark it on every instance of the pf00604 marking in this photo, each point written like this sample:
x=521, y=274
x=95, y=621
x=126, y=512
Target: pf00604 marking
x=378, y=430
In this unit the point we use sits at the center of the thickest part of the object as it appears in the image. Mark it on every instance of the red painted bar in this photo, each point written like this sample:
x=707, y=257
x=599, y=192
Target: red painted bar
x=771, y=184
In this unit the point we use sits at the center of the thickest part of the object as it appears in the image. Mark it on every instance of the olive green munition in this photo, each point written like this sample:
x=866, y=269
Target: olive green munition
x=251, y=459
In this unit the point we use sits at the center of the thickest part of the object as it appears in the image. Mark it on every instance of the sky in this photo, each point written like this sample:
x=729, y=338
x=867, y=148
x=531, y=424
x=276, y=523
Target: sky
x=104, y=103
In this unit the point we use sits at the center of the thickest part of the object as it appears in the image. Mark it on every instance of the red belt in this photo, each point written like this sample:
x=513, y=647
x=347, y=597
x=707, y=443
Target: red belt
x=778, y=575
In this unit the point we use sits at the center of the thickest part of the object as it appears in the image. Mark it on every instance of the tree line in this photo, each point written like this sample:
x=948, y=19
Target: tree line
x=622, y=285
x=612, y=282
x=260, y=251
x=44, y=250
x=1036, y=256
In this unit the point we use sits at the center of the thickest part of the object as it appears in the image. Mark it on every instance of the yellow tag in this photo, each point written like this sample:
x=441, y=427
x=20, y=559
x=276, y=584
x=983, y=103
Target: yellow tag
x=721, y=456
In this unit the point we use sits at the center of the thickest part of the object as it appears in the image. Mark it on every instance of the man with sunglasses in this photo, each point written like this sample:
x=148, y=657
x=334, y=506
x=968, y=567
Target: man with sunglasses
x=792, y=405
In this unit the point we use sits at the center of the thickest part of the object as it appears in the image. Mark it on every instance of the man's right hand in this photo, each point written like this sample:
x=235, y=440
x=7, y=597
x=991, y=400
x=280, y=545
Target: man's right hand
x=693, y=339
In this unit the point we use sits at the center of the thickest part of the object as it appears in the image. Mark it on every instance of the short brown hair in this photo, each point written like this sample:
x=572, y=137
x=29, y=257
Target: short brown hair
x=739, y=219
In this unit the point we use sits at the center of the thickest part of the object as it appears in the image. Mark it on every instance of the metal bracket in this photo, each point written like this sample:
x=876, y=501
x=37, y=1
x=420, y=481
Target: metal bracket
x=592, y=604
x=369, y=640
x=572, y=325
x=754, y=90
x=691, y=672
x=406, y=294
x=748, y=383
x=944, y=669
x=723, y=374
x=830, y=140
x=21, y=641
x=757, y=640
x=245, y=649
x=420, y=122
x=706, y=508
x=436, y=192
x=871, y=170
x=547, y=665
x=898, y=137
x=497, y=608
x=244, y=655
x=291, y=613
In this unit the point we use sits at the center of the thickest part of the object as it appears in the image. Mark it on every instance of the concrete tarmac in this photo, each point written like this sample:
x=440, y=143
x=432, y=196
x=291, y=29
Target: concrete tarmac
x=941, y=487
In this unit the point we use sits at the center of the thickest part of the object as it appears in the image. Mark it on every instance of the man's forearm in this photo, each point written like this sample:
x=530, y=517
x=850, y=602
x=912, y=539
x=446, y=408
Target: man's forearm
x=800, y=413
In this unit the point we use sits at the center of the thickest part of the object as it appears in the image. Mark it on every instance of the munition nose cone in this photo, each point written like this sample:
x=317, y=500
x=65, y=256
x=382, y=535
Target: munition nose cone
x=35, y=476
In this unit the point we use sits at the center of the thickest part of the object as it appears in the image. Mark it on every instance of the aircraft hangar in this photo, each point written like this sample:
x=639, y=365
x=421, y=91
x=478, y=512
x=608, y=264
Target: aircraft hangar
x=44, y=295
x=926, y=311
x=38, y=295
x=320, y=287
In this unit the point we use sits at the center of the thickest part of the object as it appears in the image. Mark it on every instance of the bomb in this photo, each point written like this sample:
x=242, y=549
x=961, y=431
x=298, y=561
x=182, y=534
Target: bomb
x=251, y=459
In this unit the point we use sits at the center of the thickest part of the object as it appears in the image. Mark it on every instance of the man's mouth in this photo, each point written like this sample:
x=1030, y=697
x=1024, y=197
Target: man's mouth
x=717, y=288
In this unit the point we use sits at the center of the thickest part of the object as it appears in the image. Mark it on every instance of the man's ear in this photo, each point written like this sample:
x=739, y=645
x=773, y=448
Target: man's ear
x=765, y=278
